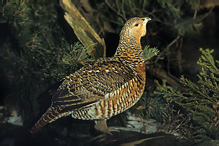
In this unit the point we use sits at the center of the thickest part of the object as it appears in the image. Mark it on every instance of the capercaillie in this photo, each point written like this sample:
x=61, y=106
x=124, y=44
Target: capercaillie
x=105, y=87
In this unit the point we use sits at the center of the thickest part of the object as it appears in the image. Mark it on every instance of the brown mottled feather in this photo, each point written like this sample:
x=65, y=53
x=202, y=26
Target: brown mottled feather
x=106, y=87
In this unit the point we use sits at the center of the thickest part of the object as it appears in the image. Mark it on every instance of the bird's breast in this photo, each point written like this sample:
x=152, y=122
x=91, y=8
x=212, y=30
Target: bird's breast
x=121, y=99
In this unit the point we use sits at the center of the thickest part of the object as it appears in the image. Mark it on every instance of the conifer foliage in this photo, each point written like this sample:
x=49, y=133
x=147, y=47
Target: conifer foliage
x=41, y=56
x=198, y=103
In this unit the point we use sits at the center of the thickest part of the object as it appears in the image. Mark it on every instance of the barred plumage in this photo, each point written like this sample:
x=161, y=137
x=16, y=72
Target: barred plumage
x=107, y=86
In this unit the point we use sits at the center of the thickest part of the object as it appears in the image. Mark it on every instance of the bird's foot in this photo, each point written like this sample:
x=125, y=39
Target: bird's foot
x=105, y=134
x=101, y=125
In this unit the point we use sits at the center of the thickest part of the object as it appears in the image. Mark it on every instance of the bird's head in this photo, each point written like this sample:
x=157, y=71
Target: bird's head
x=134, y=28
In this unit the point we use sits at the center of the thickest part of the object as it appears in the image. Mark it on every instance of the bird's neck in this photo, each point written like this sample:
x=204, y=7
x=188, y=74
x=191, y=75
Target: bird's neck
x=129, y=50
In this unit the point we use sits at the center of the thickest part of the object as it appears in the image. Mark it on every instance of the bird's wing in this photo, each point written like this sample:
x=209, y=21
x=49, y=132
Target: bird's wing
x=92, y=83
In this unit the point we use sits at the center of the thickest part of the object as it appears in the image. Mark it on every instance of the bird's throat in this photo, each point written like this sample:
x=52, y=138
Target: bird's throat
x=130, y=51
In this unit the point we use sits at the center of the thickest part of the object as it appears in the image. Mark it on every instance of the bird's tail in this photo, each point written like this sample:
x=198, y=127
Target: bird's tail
x=49, y=116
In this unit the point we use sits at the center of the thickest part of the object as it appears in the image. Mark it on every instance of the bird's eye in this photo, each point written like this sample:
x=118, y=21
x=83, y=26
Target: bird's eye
x=136, y=25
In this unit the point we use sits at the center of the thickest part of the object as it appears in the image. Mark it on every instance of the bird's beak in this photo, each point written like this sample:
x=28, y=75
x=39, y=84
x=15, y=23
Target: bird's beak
x=146, y=19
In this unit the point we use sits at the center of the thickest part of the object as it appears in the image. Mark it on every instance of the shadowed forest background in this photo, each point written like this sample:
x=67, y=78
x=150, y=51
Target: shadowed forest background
x=38, y=48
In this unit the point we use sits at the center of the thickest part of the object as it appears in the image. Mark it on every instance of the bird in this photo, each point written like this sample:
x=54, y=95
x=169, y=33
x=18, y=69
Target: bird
x=106, y=87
